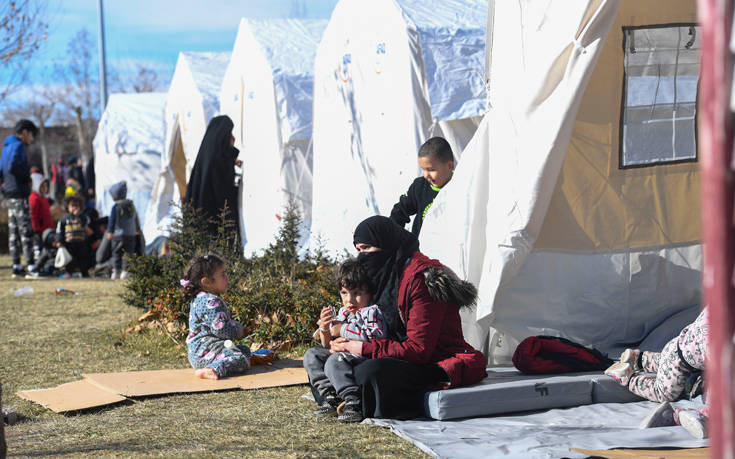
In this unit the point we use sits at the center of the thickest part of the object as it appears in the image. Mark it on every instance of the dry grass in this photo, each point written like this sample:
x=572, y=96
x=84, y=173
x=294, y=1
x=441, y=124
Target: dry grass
x=47, y=340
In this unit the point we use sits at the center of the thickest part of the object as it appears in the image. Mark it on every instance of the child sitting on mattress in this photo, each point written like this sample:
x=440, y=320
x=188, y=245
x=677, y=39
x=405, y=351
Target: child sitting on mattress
x=662, y=376
x=330, y=374
x=210, y=321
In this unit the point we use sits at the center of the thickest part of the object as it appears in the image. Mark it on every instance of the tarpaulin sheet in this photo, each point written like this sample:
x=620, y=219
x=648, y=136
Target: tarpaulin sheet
x=548, y=434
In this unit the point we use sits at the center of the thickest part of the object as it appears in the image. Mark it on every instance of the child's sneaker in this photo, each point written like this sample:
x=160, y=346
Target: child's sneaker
x=632, y=356
x=328, y=406
x=114, y=275
x=662, y=416
x=620, y=371
x=18, y=271
x=350, y=411
x=76, y=275
x=694, y=422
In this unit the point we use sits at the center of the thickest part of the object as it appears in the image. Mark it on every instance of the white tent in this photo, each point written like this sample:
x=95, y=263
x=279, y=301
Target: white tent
x=388, y=75
x=128, y=147
x=575, y=208
x=192, y=100
x=267, y=91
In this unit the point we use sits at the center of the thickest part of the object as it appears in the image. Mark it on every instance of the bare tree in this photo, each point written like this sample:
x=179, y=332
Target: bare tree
x=146, y=80
x=39, y=108
x=22, y=30
x=79, y=95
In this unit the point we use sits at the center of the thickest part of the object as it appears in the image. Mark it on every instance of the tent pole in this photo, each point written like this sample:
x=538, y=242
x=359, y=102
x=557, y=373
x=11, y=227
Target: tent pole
x=715, y=151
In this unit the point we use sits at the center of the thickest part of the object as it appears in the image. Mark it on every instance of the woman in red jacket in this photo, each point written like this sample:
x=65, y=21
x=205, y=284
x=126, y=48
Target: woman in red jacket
x=420, y=301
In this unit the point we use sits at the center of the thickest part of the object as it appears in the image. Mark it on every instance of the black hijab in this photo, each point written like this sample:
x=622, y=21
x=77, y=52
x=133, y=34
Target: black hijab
x=212, y=180
x=385, y=266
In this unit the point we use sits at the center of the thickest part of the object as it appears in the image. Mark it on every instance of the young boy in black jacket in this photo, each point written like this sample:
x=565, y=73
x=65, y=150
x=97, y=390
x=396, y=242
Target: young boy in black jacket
x=437, y=161
x=72, y=232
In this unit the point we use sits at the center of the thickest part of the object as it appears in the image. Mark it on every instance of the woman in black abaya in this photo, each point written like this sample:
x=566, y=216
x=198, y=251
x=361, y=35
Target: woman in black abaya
x=212, y=181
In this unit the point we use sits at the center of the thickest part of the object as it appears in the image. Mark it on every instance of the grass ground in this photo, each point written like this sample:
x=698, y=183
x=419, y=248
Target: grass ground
x=46, y=340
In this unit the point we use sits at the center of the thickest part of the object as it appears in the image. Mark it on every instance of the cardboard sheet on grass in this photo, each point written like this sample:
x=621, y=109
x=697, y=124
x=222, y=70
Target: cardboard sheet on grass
x=77, y=395
x=99, y=389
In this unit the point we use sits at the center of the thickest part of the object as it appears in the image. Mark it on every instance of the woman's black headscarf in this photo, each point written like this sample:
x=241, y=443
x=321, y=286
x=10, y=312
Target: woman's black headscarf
x=385, y=266
x=212, y=180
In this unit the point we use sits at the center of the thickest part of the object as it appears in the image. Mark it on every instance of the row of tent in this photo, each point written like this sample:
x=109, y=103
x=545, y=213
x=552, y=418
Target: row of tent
x=328, y=115
x=575, y=204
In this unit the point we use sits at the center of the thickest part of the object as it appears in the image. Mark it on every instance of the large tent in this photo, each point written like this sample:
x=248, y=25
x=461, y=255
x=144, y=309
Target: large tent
x=128, y=147
x=576, y=208
x=192, y=100
x=267, y=91
x=388, y=75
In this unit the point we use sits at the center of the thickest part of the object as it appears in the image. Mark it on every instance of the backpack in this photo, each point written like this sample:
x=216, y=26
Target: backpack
x=549, y=354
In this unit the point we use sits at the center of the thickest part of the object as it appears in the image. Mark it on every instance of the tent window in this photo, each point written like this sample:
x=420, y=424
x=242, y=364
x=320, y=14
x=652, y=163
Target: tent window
x=659, y=106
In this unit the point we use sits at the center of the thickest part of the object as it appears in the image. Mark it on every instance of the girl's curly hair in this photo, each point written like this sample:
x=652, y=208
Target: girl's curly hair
x=199, y=267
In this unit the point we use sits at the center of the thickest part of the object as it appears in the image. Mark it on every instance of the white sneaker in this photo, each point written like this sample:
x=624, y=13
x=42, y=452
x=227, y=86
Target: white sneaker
x=631, y=356
x=620, y=371
x=114, y=275
x=124, y=275
x=661, y=416
x=694, y=422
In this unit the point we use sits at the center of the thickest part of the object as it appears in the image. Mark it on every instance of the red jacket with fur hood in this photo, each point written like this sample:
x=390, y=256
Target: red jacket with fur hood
x=433, y=330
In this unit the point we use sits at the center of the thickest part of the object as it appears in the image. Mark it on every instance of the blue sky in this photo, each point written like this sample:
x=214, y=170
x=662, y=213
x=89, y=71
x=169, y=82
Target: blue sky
x=152, y=32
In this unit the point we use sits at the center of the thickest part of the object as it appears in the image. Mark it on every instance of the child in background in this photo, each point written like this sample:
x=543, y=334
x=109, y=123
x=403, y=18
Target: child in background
x=47, y=256
x=72, y=232
x=210, y=321
x=330, y=375
x=123, y=229
x=40, y=212
x=437, y=161
x=662, y=376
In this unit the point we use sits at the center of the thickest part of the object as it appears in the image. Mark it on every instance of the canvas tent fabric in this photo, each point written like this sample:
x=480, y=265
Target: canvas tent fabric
x=192, y=100
x=267, y=91
x=560, y=236
x=128, y=147
x=388, y=75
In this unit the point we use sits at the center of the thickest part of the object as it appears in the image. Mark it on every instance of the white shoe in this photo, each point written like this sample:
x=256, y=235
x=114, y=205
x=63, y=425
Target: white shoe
x=114, y=275
x=661, y=416
x=631, y=356
x=124, y=275
x=620, y=371
x=694, y=422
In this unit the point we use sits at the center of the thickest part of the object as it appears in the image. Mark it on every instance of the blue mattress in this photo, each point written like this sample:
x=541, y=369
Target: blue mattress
x=506, y=390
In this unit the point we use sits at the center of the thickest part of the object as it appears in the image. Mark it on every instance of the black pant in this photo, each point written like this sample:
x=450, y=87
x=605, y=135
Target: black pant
x=81, y=254
x=393, y=388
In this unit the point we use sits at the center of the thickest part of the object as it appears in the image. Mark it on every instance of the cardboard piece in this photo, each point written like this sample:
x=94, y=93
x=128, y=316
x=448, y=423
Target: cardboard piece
x=77, y=395
x=646, y=453
x=284, y=372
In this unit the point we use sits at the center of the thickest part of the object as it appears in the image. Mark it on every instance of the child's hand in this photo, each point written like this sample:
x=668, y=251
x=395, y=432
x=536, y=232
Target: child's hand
x=326, y=317
x=57, y=244
x=109, y=236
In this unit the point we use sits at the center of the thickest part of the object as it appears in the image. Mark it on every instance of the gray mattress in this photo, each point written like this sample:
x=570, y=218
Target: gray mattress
x=506, y=390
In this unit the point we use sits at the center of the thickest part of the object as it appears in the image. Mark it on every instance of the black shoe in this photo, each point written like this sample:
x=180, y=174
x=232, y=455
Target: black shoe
x=328, y=406
x=350, y=411
x=19, y=272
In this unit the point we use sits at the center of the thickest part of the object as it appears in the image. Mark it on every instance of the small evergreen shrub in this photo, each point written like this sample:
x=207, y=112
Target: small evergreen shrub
x=277, y=294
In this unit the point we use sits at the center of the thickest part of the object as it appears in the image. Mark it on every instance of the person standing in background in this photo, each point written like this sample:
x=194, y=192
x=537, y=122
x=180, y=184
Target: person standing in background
x=15, y=179
x=58, y=178
x=89, y=178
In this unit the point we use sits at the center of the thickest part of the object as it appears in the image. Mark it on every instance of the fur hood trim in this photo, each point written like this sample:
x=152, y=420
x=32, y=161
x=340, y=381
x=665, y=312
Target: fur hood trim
x=446, y=287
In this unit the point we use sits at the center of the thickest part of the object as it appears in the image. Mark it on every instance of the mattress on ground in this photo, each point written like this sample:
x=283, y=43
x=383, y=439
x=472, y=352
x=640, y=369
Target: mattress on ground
x=506, y=390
